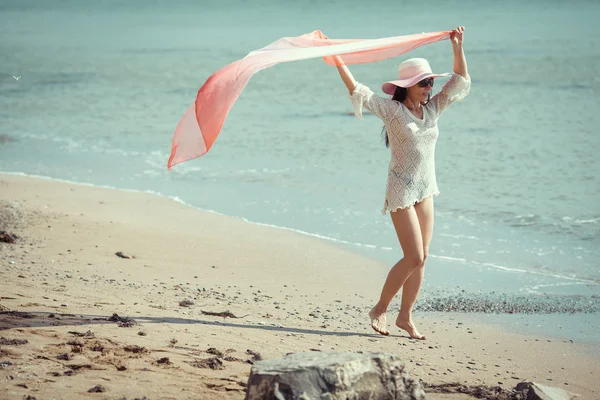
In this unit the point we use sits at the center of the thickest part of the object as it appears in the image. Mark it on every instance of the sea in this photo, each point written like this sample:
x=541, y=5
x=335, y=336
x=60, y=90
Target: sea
x=91, y=92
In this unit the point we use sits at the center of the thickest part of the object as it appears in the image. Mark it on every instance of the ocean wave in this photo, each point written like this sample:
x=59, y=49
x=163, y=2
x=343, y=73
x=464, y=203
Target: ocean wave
x=318, y=236
x=548, y=274
x=583, y=227
x=459, y=236
x=80, y=145
x=587, y=221
x=69, y=141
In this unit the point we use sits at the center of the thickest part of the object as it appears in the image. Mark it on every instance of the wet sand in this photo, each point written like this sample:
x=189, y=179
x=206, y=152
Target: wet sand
x=193, y=298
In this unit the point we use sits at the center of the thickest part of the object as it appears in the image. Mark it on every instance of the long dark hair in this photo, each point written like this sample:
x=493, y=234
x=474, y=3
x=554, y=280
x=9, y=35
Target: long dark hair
x=400, y=95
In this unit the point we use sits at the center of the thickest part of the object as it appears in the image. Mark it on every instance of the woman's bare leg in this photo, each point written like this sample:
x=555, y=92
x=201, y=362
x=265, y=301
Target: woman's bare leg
x=411, y=287
x=406, y=223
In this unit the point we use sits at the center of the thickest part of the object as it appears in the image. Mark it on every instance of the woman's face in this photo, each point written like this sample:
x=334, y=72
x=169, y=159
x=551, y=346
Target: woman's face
x=420, y=92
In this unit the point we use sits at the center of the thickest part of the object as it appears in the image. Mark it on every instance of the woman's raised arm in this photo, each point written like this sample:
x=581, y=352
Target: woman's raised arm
x=345, y=73
x=460, y=62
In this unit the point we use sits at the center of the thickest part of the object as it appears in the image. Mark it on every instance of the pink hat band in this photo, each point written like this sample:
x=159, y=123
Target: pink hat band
x=409, y=73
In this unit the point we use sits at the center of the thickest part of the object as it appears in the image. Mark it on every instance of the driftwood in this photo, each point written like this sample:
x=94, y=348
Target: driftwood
x=224, y=314
x=123, y=255
x=332, y=376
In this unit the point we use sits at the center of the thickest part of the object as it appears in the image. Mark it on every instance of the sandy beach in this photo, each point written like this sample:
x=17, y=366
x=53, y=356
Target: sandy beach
x=193, y=298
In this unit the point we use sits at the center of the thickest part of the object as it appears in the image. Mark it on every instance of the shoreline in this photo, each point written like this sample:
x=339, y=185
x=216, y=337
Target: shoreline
x=275, y=284
x=345, y=245
x=503, y=308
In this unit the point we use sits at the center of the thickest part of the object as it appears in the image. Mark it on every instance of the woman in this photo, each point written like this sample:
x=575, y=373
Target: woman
x=410, y=119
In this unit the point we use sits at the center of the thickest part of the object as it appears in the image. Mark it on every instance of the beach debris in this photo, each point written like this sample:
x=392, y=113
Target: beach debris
x=209, y=363
x=16, y=314
x=214, y=352
x=523, y=390
x=232, y=359
x=97, y=389
x=77, y=349
x=186, y=303
x=536, y=391
x=12, y=342
x=124, y=322
x=82, y=334
x=123, y=255
x=116, y=318
x=77, y=367
x=135, y=349
x=164, y=360
x=142, y=333
x=6, y=237
x=30, y=304
x=478, y=391
x=65, y=356
x=255, y=356
x=224, y=314
x=4, y=364
x=494, y=303
x=310, y=375
x=99, y=347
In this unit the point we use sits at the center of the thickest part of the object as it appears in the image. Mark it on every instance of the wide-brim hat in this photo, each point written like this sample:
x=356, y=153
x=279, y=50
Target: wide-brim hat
x=410, y=72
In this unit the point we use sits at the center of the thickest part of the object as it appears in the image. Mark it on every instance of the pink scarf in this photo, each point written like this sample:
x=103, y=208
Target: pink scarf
x=200, y=125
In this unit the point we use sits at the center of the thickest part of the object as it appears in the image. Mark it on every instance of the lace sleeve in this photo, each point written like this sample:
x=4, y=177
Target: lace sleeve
x=457, y=88
x=363, y=96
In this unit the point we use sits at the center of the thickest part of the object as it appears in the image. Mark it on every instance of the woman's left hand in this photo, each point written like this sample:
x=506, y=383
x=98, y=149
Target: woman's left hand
x=456, y=36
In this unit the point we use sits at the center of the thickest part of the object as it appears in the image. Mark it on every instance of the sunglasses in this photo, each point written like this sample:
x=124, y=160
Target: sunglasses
x=425, y=82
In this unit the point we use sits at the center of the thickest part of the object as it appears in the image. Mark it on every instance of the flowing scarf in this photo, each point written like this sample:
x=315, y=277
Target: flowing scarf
x=200, y=125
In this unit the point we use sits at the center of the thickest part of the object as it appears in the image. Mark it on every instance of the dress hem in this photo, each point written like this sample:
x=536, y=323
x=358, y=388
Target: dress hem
x=386, y=209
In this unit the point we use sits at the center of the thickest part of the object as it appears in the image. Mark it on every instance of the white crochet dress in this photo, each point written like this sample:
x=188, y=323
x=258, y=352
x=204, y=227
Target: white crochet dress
x=411, y=173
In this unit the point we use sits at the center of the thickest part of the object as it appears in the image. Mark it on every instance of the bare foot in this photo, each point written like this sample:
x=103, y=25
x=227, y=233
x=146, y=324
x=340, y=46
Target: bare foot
x=378, y=322
x=409, y=327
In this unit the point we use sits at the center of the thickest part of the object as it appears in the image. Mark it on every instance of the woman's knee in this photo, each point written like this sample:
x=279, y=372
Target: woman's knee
x=416, y=259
